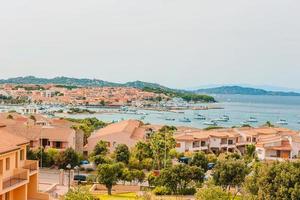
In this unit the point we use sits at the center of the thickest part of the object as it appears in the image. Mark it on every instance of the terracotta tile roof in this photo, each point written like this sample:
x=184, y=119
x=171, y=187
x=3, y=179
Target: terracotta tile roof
x=126, y=127
x=10, y=142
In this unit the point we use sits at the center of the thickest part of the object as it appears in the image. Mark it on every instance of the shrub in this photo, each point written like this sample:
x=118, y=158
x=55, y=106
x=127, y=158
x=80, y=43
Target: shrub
x=188, y=191
x=211, y=193
x=162, y=190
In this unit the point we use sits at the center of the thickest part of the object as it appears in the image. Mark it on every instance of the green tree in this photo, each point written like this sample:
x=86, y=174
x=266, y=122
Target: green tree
x=278, y=181
x=268, y=124
x=110, y=174
x=69, y=156
x=143, y=151
x=32, y=117
x=180, y=177
x=101, y=159
x=199, y=159
x=79, y=193
x=230, y=173
x=161, y=143
x=250, y=151
x=100, y=148
x=122, y=153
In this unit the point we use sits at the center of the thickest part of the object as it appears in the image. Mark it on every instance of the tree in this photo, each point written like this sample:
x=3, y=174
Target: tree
x=101, y=159
x=278, y=181
x=250, y=151
x=69, y=156
x=268, y=124
x=122, y=153
x=230, y=173
x=110, y=174
x=10, y=116
x=32, y=117
x=100, y=148
x=102, y=103
x=199, y=159
x=52, y=155
x=180, y=177
x=143, y=151
x=79, y=193
x=211, y=193
x=161, y=143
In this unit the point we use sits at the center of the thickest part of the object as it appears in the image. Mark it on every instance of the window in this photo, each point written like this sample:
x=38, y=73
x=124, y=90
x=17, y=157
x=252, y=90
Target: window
x=196, y=144
x=7, y=163
x=22, y=154
x=223, y=141
x=178, y=145
x=203, y=143
x=254, y=139
x=230, y=142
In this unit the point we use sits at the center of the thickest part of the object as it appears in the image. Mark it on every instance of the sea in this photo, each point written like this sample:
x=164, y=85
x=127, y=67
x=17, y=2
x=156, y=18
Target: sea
x=239, y=108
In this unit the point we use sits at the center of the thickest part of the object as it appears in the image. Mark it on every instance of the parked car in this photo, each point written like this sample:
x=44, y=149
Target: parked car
x=210, y=166
x=80, y=177
x=84, y=162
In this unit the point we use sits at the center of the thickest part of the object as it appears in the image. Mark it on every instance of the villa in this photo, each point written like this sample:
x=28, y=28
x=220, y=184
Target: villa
x=271, y=143
x=41, y=131
x=127, y=132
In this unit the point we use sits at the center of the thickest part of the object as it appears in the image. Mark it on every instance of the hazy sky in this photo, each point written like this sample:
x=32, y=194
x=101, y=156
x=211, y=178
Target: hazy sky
x=178, y=43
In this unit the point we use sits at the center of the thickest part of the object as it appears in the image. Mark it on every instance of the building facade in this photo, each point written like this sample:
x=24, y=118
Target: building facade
x=18, y=176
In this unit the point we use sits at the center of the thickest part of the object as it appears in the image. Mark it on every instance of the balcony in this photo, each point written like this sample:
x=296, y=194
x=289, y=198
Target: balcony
x=19, y=178
x=32, y=166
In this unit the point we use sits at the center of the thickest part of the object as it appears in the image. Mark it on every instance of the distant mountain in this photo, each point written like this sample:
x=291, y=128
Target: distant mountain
x=84, y=82
x=141, y=84
x=243, y=91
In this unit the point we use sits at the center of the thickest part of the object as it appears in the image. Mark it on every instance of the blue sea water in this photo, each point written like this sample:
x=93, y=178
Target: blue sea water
x=238, y=107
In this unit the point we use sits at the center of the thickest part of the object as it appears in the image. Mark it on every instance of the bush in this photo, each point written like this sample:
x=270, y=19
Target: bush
x=162, y=190
x=69, y=156
x=211, y=193
x=91, y=179
x=188, y=191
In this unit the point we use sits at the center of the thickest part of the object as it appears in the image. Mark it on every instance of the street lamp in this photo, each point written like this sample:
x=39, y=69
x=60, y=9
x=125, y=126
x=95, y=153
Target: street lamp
x=69, y=168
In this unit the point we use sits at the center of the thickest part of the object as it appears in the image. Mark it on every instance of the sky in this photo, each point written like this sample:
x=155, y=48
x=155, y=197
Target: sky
x=177, y=43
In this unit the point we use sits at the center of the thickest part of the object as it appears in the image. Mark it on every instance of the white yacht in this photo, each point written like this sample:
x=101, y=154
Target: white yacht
x=224, y=118
x=170, y=119
x=252, y=120
x=200, y=117
x=282, y=122
x=210, y=123
x=185, y=119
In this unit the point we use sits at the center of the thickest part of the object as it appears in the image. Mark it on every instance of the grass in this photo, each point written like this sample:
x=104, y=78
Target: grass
x=124, y=196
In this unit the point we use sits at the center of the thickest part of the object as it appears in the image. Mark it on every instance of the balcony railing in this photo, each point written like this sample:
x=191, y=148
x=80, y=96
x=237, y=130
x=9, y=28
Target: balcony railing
x=31, y=165
x=14, y=180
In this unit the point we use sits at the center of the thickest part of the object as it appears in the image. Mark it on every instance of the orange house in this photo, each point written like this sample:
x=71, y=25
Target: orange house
x=18, y=176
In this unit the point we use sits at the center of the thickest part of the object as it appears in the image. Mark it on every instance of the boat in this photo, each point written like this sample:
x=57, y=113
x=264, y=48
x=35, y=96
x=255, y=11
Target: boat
x=185, y=119
x=222, y=119
x=200, y=117
x=245, y=123
x=170, y=119
x=252, y=120
x=282, y=122
x=210, y=123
